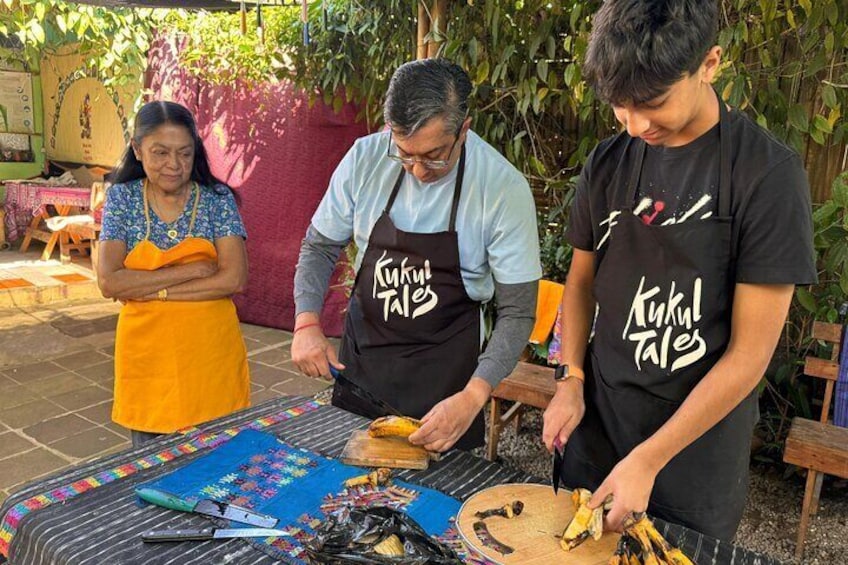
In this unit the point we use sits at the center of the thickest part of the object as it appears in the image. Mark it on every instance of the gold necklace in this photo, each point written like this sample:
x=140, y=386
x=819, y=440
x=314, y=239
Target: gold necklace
x=171, y=232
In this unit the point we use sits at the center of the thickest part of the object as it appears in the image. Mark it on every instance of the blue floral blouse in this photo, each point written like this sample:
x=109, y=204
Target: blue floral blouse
x=123, y=217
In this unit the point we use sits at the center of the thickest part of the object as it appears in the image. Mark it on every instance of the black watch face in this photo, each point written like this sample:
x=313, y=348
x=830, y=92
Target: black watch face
x=560, y=372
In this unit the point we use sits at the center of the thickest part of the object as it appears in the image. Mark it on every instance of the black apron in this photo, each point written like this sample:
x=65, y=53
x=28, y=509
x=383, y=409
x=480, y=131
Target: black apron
x=412, y=334
x=665, y=295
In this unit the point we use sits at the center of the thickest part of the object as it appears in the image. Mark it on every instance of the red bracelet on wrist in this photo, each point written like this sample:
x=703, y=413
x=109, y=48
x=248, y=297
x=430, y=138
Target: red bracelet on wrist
x=309, y=325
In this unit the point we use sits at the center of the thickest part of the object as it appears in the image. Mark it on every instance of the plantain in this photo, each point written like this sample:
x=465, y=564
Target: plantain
x=580, y=496
x=585, y=523
x=677, y=557
x=655, y=548
x=375, y=478
x=670, y=554
x=391, y=546
x=399, y=426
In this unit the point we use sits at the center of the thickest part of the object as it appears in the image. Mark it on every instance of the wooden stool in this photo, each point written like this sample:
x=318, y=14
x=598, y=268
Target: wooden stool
x=818, y=446
x=81, y=237
x=528, y=384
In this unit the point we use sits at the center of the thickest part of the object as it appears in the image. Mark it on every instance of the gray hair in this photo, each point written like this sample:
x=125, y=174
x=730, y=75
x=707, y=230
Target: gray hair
x=422, y=90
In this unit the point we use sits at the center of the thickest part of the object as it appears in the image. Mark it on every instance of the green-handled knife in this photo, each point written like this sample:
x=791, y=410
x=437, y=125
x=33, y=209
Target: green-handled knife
x=207, y=507
x=203, y=534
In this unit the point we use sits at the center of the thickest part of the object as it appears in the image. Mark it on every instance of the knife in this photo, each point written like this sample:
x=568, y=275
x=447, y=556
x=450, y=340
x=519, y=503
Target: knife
x=207, y=507
x=557, y=464
x=203, y=534
x=364, y=394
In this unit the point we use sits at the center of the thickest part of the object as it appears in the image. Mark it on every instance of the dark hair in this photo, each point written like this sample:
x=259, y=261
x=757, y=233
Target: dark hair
x=151, y=116
x=639, y=48
x=425, y=89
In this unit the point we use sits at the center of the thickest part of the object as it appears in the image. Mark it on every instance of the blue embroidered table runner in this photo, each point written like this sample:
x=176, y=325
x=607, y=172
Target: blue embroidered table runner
x=300, y=487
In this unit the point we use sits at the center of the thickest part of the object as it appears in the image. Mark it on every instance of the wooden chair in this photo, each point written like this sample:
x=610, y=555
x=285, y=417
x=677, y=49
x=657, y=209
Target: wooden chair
x=528, y=384
x=818, y=446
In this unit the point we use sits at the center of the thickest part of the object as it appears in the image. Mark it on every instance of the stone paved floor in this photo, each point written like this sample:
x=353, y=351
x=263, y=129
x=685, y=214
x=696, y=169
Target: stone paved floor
x=56, y=379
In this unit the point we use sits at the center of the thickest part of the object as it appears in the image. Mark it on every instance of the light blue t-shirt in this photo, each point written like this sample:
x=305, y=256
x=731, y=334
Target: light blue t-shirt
x=496, y=219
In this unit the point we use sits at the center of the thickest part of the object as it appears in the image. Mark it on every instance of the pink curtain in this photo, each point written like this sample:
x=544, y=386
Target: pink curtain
x=278, y=154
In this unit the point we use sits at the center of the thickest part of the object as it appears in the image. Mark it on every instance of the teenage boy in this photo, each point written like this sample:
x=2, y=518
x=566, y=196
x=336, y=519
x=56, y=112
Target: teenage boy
x=690, y=229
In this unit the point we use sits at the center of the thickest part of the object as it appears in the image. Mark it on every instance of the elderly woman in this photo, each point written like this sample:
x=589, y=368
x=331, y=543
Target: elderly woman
x=172, y=251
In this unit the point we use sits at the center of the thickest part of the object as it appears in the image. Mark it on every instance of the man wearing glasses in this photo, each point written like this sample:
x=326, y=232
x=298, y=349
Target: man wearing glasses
x=442, y=223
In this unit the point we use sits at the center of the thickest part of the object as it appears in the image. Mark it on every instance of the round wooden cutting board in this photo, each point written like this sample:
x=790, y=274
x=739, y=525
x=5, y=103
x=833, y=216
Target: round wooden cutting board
x=534, y=534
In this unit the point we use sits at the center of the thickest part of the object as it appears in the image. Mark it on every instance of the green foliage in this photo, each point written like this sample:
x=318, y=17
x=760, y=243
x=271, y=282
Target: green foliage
x=786, y=392
x=115, y=40
x=787, y=64
x=218, y=50
x=355, y=47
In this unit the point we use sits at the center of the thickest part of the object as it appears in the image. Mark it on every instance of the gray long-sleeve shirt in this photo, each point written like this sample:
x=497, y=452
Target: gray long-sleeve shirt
x=516, y=305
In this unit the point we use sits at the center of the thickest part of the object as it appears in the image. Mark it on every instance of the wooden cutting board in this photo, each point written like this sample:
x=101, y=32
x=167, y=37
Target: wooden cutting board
x=394, y=452
x=534, y=534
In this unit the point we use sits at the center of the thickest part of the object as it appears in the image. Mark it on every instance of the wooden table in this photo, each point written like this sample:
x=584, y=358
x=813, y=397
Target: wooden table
x=88, y=515
x=64, y=200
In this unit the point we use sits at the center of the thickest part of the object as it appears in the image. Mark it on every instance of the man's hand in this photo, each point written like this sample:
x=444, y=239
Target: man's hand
x=313, y=354
x=630, y=483
x=564, y=412
x=448, y=420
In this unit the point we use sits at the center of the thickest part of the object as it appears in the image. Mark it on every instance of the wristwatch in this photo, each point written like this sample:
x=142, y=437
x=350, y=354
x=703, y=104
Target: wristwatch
x=561, y=373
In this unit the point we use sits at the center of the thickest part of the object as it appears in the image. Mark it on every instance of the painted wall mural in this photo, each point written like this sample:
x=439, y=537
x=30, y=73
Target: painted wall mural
x=86, y=121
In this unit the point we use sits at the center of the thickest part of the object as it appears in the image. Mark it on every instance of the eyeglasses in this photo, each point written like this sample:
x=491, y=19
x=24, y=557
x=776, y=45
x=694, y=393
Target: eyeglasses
x=430, y=164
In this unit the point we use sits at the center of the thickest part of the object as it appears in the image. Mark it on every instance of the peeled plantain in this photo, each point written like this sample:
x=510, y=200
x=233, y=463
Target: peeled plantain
x=399, y=426
x=375, y=478
x=585, y=523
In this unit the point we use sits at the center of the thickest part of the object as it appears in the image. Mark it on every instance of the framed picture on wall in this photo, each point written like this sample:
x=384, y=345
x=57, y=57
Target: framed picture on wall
x=17, y=109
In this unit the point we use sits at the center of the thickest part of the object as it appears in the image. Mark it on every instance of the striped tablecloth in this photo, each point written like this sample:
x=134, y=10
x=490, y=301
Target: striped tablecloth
x=89, y=516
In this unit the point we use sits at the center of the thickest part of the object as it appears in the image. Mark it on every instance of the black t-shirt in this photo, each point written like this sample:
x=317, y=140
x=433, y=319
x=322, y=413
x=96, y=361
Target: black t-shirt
x=772, y=235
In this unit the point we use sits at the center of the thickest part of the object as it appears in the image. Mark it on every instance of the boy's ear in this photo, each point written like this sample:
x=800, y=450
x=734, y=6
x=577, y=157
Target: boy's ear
x=709, y=67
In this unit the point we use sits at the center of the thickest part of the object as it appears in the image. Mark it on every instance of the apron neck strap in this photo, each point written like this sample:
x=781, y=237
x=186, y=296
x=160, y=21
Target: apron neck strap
x=635, y=172
x=725, y=165
x=457, y=190
x=194, y=187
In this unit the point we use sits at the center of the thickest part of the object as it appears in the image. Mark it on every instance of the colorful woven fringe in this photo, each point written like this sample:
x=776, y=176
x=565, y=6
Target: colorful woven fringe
x=199, y=440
